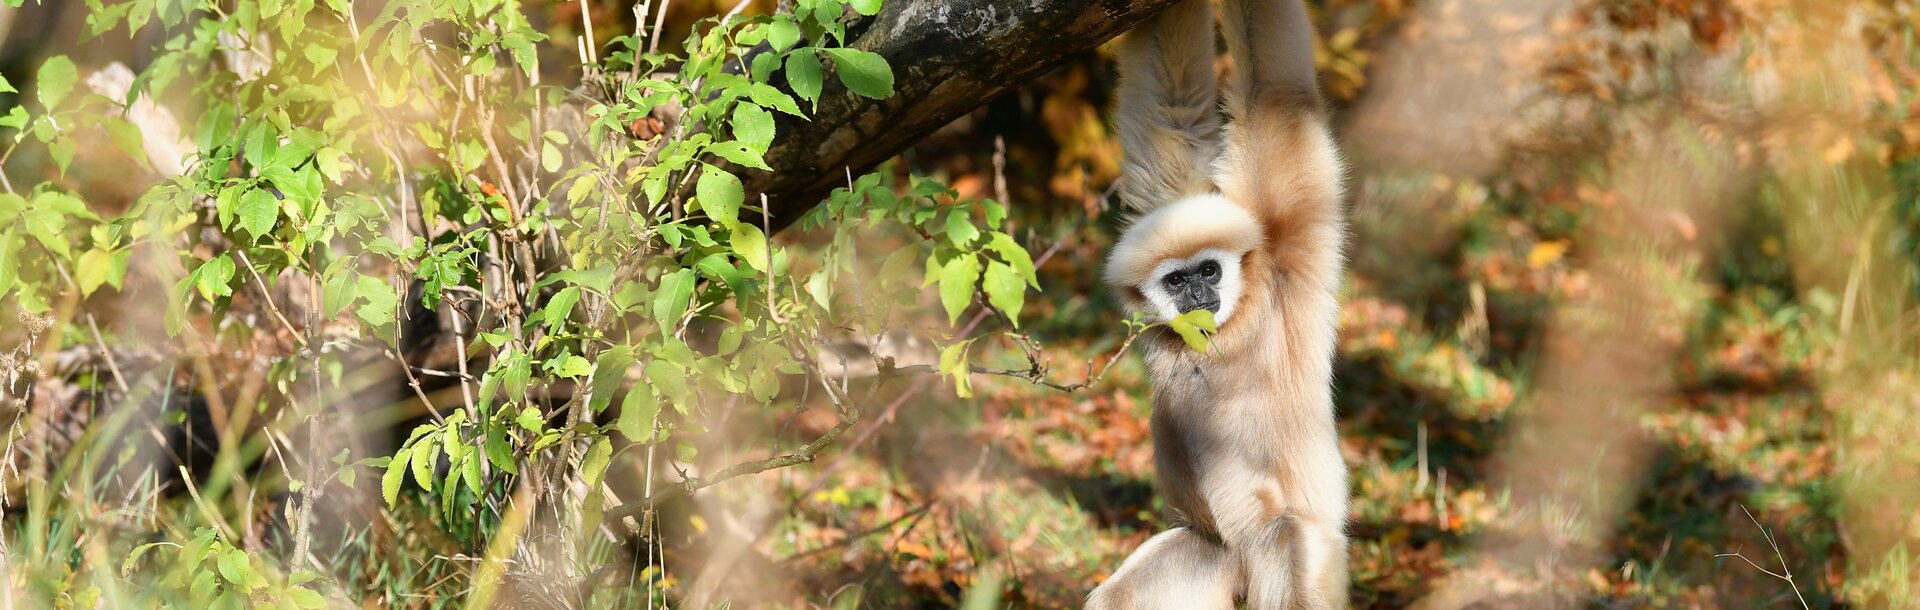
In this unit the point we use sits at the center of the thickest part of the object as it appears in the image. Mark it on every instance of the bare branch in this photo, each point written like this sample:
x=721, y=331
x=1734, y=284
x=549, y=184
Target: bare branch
x=1785, y=573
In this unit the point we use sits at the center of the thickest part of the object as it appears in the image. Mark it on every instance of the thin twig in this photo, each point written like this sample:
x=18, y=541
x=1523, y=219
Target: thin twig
x=849, y=540
x=1785, y=573
x=692, y=484
x=267, y=297
x=659, y=21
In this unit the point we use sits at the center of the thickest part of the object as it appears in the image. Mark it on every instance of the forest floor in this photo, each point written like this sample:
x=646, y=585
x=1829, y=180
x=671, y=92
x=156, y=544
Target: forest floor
x=1038, y=494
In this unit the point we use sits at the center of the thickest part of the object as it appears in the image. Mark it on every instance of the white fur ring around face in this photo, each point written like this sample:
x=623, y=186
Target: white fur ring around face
x=1228, y=287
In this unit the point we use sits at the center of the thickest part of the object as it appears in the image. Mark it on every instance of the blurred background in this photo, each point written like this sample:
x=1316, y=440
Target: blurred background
x=1630, y=323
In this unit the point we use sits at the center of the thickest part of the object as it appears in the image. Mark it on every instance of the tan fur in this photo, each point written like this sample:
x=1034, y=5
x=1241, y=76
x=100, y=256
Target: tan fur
x=1178, y=231
x=1245, y=440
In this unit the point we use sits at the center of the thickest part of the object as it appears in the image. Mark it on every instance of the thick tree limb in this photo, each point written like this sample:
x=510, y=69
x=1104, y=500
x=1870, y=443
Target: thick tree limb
x=948, y=57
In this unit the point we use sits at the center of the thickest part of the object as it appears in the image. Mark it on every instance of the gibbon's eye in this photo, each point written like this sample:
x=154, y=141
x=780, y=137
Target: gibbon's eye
x=1176, y=279
x=1209, y=270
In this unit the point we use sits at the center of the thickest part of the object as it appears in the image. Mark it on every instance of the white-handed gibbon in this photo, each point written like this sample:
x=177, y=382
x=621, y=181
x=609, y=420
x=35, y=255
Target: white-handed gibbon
x=1246, y=221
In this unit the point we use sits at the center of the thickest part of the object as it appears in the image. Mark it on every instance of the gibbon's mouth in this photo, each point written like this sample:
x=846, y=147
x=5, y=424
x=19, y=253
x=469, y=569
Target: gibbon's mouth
x=1201, y=297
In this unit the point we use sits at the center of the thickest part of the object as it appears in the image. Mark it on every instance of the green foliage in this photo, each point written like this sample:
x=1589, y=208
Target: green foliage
x=386, y=171
x=214, y=573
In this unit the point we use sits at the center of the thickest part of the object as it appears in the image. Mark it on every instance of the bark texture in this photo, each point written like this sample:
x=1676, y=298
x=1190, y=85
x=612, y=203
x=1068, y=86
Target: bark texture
x=948, y=58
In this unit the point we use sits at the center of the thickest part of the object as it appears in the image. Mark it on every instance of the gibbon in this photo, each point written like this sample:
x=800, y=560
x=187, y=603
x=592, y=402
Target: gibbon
x=1246, y=221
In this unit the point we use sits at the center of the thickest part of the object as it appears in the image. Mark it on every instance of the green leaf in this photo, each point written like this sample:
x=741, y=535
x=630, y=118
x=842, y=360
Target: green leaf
x=609, y=371
x=11, y=206
x=470, y=472
x=668, y=380
x=957, y=278
x=257, y=212
x=863, y=72
x=764, y=383
x=637, y=411
x=730, y=339
x=720, y=194
x=133, y=557
x=378, y=310
x=332, y=163
x=499, y=452
x=803, y=73
x=767, y=95
x=92, y=270
x=960, y=229
x=56, y=80
x=1006, y=290
x=203, y=584
x=781, y=33
x=865, y=7
x=1194, y=327
x=753, y=126
x=549, y=157
x=47, y=226
x=582, y=187
x=425, y=453
x=306, y=598
x=300, y=578
x=670, y=301
x=396, y=472
x=339, y=291
x=211, y=278
x=301, y=187
x=523, y=52
x=716, y=266
x=738, y=152
x=62, y=149
x=570, y=366
x=599, y=279
x=9, y=260
x=953, y=363
x=482, y=65
x=16, y=118
x=750, y=244
x=530, y=419
x=321, y=56
x=1011, y=252
x=594, y=466
x=7, y=87
x=236, y=569
x=559, y=307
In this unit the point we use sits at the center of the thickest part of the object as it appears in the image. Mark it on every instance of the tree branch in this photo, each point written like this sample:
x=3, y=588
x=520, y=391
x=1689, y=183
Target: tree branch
x=949, y=57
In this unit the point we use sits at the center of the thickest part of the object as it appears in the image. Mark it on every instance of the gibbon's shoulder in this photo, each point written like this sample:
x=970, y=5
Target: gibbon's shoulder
x=1179, y=230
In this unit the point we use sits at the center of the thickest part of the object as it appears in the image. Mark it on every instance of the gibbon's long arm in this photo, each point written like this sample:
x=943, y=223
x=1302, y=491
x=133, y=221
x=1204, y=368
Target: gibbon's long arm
x=1280, y=159
x=1167, y=113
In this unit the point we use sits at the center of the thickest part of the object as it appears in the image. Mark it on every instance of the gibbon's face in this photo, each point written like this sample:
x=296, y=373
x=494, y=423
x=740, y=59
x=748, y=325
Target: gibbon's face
x=1184, y=256
x=1210, y=280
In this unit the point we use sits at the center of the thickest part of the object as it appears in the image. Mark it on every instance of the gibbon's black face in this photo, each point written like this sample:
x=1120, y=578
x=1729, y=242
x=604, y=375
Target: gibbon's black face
x=1209, y=279
x=1194, y=287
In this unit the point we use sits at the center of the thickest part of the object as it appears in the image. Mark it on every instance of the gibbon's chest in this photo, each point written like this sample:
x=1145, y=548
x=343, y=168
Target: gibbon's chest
x=1184, y=379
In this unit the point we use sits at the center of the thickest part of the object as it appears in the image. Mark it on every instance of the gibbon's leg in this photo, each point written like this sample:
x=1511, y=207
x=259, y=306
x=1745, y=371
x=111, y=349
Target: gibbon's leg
x=1176, y=569
x=1302, y=566
x=1167, y=108
x=1319, y=565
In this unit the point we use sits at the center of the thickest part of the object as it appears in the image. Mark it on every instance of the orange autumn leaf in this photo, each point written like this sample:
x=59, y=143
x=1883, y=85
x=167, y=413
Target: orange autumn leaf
x=914, y=548
x=1546, y=253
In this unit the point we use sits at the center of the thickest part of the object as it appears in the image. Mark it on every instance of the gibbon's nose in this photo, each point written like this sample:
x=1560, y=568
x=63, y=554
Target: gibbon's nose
x=1198, y=295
